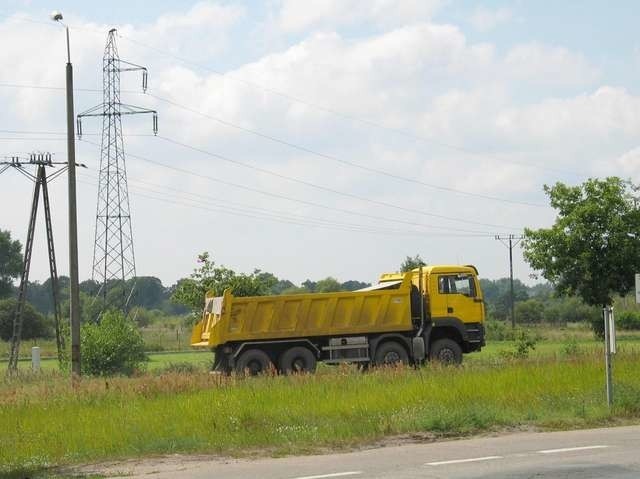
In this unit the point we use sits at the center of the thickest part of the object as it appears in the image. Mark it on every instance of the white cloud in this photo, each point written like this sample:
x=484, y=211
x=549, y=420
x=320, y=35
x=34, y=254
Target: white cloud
x=581, y=120
x=296, y=16
x=629, y=164
x=548, y=65
x=484, y=19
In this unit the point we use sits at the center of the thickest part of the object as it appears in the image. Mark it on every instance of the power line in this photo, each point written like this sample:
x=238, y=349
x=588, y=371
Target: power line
x=201, y=175
x=328, y=189
x=245, y=207
x=332, y=111
x=297, y=220
x=339, y=160
x=302, y=148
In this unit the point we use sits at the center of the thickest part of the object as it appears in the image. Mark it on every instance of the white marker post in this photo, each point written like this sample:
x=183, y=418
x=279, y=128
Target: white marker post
x=638, y=288
x=609, y=349
x=35, y=359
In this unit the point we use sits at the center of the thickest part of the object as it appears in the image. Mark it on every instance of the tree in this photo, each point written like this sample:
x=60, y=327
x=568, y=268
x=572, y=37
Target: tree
x=148, y=293
x=530, y=311
x=34, y=324
x=328, y=285
x=209, y=277
x=10, y=262
x=353, y=285
x=410, y=263
x=593, y=248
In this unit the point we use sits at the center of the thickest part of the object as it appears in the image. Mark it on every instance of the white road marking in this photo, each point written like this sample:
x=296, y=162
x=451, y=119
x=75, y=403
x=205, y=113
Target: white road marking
x=335, y=474
x=460, y=461
x=569, y=449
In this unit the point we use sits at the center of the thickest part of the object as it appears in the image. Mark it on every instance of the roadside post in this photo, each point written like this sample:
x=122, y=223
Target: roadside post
x=35, y=359
x=609, y=348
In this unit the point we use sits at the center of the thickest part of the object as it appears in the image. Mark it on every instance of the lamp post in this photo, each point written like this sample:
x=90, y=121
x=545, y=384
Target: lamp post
x=74, y=289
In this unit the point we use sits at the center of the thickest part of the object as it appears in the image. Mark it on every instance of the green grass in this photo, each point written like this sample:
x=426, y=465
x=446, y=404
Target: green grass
x=45, y=422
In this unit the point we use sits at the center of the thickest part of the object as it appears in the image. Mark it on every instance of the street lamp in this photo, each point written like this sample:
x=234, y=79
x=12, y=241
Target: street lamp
x=74, y=288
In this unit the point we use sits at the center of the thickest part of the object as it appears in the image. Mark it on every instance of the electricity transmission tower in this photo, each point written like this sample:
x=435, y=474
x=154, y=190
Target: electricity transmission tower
x=41, y=180
x=511, y=245
x=113, y=252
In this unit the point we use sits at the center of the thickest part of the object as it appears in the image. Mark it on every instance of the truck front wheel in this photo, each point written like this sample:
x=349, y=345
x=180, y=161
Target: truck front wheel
x=297, y=360
x=446, y=351
x=390, y=353
x=253, y=362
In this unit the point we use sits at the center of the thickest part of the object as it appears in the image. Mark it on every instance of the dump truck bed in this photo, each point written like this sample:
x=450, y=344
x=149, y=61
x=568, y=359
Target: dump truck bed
x=227, y=318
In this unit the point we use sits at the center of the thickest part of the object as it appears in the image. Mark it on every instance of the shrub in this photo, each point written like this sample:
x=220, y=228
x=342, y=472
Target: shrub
x=525, y=343
x=629, y=320
x=113, y=346
x=597, y=326
x=34, y=324
x=497, y=330
x=570, y=347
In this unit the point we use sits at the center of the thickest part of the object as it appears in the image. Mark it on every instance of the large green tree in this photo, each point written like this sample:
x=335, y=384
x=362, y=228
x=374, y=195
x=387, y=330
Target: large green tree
x=10, y=262
x=593, y=248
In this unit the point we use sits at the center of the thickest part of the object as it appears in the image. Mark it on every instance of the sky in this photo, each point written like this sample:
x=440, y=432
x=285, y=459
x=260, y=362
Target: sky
x=326, y=137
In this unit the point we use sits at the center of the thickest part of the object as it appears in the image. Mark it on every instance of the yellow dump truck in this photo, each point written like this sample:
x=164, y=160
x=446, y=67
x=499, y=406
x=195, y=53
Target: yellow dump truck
x=434, y=312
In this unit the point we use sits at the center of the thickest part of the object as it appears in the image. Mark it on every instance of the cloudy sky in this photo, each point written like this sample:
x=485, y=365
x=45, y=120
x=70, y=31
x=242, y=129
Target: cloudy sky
x=327, y=137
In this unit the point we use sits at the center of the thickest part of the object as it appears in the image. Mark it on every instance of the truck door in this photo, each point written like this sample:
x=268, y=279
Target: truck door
x=461, y=293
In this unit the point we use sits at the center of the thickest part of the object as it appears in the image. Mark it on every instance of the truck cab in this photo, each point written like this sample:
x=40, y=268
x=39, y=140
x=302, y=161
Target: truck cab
x=452, y=309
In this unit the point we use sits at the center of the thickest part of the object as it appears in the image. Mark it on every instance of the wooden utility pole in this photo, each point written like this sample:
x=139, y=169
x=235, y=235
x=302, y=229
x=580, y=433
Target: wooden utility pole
x=511, y=244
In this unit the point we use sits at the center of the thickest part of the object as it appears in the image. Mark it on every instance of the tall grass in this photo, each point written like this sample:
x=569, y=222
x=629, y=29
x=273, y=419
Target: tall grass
x=44, y=422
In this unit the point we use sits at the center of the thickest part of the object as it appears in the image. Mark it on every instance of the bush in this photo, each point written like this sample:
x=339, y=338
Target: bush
x=570, y=347
x=530, y=311
x=629, y=320
x=524, y=344
x=113, y=346
x=597, y=326
x=34, y=324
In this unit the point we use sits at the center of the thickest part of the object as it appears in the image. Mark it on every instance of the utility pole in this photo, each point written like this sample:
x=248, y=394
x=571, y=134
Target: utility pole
x=74, y=282
x=41, y=180
x=113, y=252
x=609, y=350
x=511, y=245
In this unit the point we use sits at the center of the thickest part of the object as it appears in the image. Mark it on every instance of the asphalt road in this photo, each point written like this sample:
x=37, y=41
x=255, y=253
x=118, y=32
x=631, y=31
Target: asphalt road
x=586, y=454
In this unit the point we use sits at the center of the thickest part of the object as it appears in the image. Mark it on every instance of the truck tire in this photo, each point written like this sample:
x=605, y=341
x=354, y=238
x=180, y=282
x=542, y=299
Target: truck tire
x=297, y=360
x=446, y=351
x=390, y=353
x=253, y=362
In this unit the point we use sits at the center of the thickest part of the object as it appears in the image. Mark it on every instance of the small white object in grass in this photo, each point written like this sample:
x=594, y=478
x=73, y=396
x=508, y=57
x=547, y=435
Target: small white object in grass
x=35, y=358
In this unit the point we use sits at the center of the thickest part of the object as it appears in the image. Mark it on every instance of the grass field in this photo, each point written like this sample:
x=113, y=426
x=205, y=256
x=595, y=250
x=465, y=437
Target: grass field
x=46, y=423
x=176, y=406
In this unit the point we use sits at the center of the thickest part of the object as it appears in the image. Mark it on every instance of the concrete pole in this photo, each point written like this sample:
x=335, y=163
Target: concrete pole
x=35, y=359
x=74, y=288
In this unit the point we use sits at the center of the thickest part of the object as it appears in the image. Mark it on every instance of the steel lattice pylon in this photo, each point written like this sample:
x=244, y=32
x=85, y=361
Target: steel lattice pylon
x=113, y=252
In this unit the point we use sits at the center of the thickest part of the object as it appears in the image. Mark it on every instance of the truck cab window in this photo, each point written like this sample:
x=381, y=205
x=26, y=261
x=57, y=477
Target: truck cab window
x=457, y=284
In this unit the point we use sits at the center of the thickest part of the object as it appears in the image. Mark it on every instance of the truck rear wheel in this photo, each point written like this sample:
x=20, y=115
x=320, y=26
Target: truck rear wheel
x=390, y=353
x=253, y=362
x=446, y=351
x=297, y=360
